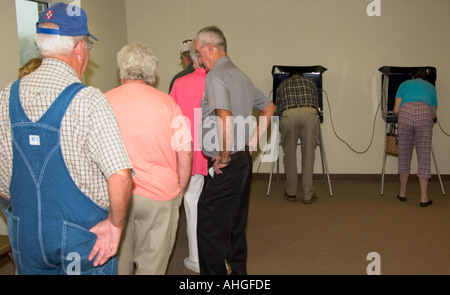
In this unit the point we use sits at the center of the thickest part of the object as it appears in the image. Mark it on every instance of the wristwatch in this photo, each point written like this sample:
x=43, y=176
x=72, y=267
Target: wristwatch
x=221, y=162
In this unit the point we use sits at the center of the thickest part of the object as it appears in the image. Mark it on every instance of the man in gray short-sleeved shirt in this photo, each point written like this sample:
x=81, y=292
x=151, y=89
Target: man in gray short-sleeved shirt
x=230, y=98
x=228, y=88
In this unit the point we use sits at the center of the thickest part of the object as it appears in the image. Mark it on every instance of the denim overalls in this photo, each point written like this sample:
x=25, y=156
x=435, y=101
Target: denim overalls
x=50, y=215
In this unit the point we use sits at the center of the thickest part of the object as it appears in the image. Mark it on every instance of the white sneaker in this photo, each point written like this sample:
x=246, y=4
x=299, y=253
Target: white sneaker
x=194, y=266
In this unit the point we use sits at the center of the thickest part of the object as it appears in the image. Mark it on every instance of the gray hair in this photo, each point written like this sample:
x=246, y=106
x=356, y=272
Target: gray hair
x=212, y=35
x=54, y=45
x=137, y=62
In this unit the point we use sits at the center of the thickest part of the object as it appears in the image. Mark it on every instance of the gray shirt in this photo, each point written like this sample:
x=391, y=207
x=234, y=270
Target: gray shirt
x=228, y=88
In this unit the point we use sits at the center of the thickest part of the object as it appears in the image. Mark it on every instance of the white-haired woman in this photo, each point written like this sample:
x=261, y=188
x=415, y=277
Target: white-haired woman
x=162, y=165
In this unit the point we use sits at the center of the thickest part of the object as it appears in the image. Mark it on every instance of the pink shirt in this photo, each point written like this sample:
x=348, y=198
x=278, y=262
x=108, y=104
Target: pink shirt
x=188, y=93
x=145, y=116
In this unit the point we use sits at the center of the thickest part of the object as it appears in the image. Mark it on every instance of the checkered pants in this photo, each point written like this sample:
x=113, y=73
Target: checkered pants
x=415, y=128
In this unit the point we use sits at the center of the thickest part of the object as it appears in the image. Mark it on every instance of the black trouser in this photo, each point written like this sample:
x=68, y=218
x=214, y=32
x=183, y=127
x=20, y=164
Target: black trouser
x=222, y=218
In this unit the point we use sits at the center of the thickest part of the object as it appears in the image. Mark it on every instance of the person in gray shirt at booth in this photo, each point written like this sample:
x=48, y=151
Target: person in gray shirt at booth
x=230, y=98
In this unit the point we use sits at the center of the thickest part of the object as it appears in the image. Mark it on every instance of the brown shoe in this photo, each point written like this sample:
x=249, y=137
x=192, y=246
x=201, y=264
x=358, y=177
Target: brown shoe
x=289, y=198
x=312, y=200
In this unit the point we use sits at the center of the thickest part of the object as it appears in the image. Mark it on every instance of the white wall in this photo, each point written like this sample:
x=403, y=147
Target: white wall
x=107, y=22
x=337, y=34
x=9, y=61
x=9, y=47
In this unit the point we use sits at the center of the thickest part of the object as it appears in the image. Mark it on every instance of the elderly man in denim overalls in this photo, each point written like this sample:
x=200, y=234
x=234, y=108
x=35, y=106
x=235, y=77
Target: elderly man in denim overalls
x=70, y=176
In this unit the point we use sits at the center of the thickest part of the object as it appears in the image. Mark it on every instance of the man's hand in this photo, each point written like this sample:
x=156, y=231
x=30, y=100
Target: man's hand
x=108, y=231
x=217, y=165
x=3, y=196
x=108, y=238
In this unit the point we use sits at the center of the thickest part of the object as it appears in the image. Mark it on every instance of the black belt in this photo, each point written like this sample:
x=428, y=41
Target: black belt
x=300, y=106
x=240, y=154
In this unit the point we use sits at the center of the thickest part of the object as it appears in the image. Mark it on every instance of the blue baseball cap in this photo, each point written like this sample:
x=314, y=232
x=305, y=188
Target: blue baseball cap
x=71, y=20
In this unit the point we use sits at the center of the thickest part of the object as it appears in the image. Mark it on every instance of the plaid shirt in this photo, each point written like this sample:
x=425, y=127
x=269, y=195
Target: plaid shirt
x=296, y=90
x=90, y=139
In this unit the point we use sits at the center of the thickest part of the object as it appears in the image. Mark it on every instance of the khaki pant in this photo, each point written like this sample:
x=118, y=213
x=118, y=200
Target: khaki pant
x=149, y=236
x=300, y=123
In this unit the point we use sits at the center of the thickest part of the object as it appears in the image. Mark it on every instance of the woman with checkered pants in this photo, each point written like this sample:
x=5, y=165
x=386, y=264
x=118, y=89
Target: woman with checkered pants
x=415, y=106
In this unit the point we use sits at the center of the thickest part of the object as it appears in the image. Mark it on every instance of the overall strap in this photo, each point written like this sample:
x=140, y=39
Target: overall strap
x=53, y=116
x=60, y=106
x=16, y=112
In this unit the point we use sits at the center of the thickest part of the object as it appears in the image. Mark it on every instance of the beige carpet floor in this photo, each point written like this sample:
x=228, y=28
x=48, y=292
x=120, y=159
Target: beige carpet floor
x=334, y=235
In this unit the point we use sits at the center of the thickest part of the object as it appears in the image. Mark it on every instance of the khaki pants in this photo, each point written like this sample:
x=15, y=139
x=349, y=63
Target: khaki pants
x=149, y=236
x=300, y=123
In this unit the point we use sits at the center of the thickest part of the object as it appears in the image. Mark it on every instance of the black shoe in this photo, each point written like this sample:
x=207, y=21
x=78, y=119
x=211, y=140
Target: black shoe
x=402, y=199
x=290, y=198
x=425, y=204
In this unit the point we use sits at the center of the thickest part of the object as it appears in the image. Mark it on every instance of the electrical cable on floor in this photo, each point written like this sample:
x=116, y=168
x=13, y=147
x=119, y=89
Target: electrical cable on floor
x=439, y=123
x=334, y=130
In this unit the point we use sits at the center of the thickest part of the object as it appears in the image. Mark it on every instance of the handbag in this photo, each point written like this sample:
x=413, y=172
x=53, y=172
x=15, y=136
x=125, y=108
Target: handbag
x=392, y=142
